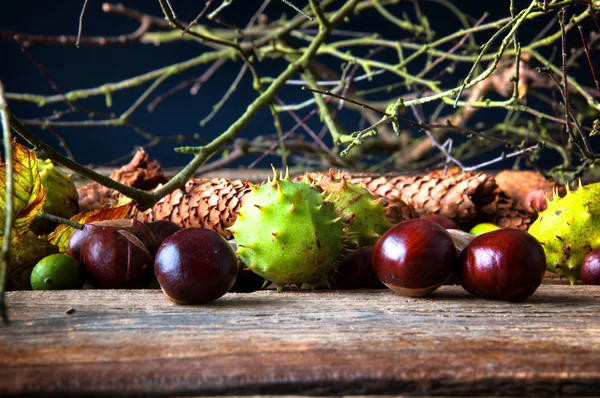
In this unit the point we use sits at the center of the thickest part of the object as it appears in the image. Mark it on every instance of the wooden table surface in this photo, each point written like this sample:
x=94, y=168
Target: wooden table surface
x=136, y=343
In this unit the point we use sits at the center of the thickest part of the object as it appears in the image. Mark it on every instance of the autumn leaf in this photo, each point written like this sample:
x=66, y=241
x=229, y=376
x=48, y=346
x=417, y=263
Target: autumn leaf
x=62, y=234
x=29, y=193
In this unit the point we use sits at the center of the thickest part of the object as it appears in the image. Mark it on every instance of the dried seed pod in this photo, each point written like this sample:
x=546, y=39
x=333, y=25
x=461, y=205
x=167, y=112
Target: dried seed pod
x=141, y=172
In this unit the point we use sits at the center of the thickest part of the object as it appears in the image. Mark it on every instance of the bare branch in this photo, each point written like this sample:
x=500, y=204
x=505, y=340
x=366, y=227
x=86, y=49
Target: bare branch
x=590, y=63
x=299, y=11
x=195, y=21
x=46, y=75
x=362, y=105
x=80, y=28
x=27, y=39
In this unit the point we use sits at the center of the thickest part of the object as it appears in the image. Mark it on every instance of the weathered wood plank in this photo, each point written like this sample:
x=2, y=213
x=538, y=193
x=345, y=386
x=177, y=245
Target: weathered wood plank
x=132, y=343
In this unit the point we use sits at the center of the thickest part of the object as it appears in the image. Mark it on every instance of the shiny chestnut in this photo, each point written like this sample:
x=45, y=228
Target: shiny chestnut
x=355, y=271
x=136, y=227
x=195, y=265
x=415, y=257
x=77, y=239
x=506, y=264
x=139, y=229
x=590, y=268
x=444, y=221
x=116, y=259
x=162, y=229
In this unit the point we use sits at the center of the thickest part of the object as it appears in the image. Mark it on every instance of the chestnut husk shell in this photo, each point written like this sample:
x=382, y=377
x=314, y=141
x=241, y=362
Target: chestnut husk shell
x=461, y=240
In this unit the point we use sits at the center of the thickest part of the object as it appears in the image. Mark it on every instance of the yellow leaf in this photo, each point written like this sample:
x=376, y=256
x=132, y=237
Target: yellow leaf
x=29, y=193
x=62, y=234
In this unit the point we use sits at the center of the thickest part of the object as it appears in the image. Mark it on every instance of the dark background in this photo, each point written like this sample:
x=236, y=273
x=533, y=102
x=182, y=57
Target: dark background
x=86, y=67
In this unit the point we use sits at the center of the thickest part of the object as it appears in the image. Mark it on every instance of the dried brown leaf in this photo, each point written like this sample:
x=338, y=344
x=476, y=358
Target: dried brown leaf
x=62, y=234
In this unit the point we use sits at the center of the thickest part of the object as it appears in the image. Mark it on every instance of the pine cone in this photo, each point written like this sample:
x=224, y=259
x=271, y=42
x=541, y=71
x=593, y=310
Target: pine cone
x=208, y=203
x=456, y=195
x=397, y=210
x=140, y=172
x=506, y=212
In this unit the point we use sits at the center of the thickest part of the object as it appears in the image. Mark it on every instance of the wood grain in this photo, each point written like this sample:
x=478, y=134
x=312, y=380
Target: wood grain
x=136, y=343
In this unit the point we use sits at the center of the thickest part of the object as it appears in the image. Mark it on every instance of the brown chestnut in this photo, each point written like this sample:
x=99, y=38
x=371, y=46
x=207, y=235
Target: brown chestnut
x=590, y=268
x=195, y=265
x=139, y=229
x=444, y=221
x=136, y=227
x=116, y=259
x=247, y=281
x=77, y=239
x=506, y=264
x=162, y=229
x=355, y=271
x=415, y=257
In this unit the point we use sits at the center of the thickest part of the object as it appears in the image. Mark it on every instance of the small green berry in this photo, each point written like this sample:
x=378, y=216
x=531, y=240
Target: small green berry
x=57, y=272
x=483, y=228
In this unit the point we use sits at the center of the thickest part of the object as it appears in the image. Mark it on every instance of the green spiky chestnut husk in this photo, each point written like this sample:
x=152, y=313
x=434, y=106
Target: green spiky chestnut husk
x=62, y=199
x=569, y=229
x=363, y=213
x=287, y=233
